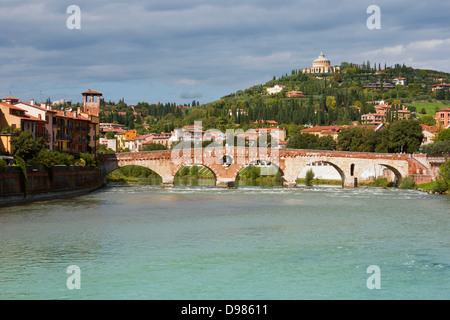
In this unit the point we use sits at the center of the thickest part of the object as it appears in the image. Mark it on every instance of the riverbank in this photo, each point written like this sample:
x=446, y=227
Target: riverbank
x=41, y=184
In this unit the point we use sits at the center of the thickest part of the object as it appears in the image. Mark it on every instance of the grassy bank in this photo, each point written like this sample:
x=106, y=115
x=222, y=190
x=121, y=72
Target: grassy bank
x=430, y=107
x=302, y=181
x=430, y=187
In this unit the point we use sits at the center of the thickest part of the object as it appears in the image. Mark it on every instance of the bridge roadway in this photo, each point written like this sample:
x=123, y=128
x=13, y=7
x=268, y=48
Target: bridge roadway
x=226, y=162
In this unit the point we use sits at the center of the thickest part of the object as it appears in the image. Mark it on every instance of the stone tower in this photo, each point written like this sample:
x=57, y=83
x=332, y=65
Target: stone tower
x=91, y=102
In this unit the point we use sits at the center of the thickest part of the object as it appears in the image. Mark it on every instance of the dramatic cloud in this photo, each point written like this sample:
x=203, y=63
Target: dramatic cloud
x=173, y=49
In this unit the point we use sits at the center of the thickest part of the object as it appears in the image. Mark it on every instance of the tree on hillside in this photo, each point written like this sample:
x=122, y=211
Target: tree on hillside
x=428, y=120
x=443, y=135
x=440, y=147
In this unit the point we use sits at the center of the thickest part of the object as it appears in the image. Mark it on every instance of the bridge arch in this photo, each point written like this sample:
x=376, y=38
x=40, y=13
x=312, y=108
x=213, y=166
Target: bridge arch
x=337, y=168
x=266, y=168
x=132, y=171
x=398, y=175
x=201, y=167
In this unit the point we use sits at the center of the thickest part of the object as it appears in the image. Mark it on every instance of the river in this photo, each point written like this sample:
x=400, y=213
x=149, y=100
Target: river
x=252, y=242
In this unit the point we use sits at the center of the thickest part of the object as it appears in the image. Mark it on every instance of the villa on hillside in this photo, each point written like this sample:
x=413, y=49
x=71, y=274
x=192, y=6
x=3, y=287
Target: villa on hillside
x=276, y=89
x=443, y=117
x=294, y=94
x=440, y=86
x=333, y=130
x=429, y=134
x=381, y=112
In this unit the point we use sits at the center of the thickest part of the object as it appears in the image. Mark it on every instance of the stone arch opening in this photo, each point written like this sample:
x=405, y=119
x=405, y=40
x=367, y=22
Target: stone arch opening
x=133, y=174
x=194, y=174
x=397, y=175
x=324, y=171
x=260, y=173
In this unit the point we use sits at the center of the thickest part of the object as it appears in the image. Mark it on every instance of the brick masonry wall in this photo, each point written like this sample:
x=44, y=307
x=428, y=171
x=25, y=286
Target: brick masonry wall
x=46, y=184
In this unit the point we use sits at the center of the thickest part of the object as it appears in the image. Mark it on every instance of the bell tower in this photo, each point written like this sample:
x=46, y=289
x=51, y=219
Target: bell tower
x=91, y=102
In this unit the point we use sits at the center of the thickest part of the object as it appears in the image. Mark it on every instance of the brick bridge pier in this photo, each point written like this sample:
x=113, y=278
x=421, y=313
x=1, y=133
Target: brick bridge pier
x=226, y=163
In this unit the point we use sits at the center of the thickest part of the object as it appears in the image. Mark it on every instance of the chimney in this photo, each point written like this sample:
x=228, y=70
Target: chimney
x=43, y=105
x=39, y=116
x=32, y=102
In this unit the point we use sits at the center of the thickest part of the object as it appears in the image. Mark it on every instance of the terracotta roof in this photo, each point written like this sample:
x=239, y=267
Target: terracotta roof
x=434, y=85
x=428, y=128
x=69, y=114
x=321, y=128
x=92, y=92
x=112, y=124
x=12, y=106
x=31, y=118
x=36, y=106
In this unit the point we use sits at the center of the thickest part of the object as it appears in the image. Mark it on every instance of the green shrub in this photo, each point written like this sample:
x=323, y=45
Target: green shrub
x=88, y=158
x=407, y=183
x=381, y=182
x=309, y=178
x=2, y=165
x=21, y=165
x=64, y=159
x=440, y=186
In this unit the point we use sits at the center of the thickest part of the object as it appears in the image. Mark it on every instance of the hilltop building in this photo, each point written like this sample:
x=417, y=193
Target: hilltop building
x=321, y=65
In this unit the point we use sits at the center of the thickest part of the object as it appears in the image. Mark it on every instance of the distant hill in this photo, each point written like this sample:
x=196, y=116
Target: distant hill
x=339, y=98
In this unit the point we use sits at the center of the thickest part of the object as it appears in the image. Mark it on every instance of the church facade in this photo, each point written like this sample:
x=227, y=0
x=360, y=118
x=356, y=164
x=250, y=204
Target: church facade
x=321, y=65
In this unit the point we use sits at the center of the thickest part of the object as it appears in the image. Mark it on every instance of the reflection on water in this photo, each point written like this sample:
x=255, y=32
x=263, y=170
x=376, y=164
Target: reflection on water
x=194, y=182
x=259, y=183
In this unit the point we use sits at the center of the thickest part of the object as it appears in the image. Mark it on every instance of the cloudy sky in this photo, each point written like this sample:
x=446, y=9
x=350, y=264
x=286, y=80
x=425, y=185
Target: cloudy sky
x=184, y=50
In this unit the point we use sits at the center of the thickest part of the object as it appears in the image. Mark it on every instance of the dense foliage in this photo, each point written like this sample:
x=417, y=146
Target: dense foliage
x=338, y=99
x=442, y=184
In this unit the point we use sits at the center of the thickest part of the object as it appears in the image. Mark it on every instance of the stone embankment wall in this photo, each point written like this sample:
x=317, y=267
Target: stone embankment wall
x=45, y=184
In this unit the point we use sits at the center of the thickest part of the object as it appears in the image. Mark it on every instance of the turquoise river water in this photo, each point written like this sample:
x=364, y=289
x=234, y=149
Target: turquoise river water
x=201, y=242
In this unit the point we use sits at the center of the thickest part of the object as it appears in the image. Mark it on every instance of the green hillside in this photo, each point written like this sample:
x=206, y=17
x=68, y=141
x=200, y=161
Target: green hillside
x=328, y=99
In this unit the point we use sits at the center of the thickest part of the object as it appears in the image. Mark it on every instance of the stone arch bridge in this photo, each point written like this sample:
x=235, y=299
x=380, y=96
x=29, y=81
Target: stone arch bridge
x=226, y=162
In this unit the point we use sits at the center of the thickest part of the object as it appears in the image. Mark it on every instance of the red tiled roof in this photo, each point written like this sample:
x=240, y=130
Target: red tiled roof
x=441, y=84
x=428, y=128
x=69, y=114
x=92, y=92
x=112, y=124
x=12, y=106
x=320, y=129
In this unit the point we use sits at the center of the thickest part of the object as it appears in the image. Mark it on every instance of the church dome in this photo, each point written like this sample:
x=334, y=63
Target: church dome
x=321, y=61
x=321, y=58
